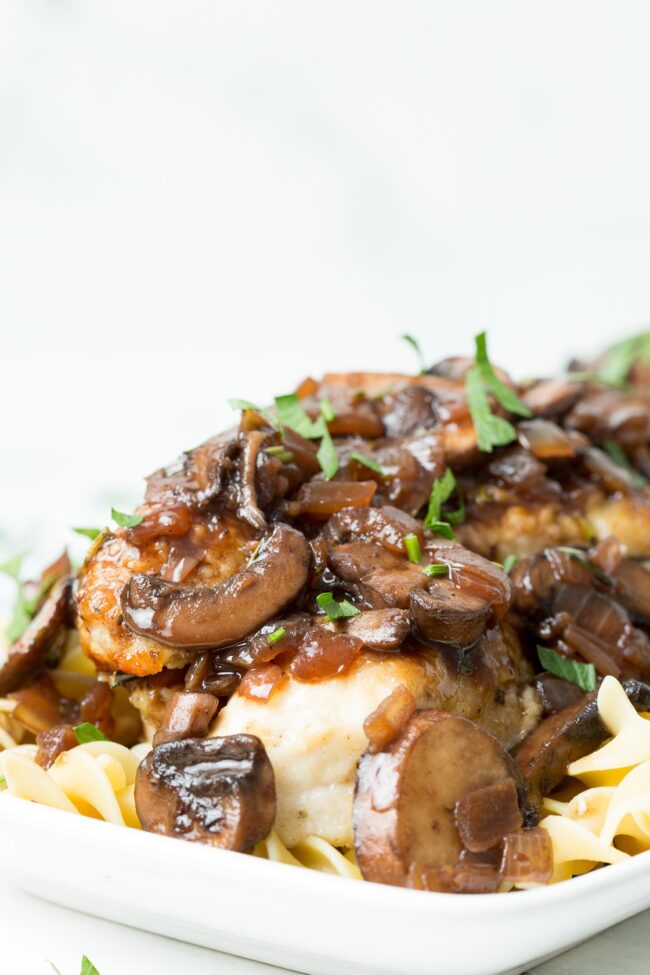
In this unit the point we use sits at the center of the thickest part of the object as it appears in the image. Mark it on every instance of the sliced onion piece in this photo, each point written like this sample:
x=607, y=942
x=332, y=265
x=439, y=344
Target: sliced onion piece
x=527, y=856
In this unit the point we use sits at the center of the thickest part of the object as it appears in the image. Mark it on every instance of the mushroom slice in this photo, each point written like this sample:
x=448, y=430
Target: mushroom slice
x=406, y=795
x=449, y=615
x=215, y=790
x=185, y=616
x=30, y=649
x=563, y=738
x=380, y=629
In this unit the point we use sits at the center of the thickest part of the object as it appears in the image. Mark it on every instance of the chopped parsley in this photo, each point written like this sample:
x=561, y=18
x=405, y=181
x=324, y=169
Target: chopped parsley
x=617, y=362
x=327, y=411
x=415, y=345
x=281, y=453
x=3, y=783
x=412, y=546
x=368, y=462
x=584, y=675
x=126, y=521
x=441, y=490
x=88, y=732
x=436, y=570
x=334, y=610
x=491, y=430
x=293, y=415
x=619, y=457
x=276, y=635
x=90, y=533
x=327, y=456
x=509, y=563
x=24, y=609
x=244, y=404
x=87, y=967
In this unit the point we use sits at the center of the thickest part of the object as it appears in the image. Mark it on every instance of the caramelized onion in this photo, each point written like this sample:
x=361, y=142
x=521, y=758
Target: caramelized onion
x=545, y=440
x=260, y=682
x=324, y=654
x=53, y=742
x=172, y=520
x=484, y=816
x=388, y=720
x=188, y=715
x=320, y=499
x=527, y=856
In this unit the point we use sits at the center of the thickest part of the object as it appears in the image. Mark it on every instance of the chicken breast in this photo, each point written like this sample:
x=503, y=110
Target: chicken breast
x=313, y=732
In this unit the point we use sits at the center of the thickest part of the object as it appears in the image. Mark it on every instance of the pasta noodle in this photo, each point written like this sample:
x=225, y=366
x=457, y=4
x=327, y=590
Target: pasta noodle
x=610, y=819
x=97, y=779
x=94, y=779
x=606, y=820
x=312, y=852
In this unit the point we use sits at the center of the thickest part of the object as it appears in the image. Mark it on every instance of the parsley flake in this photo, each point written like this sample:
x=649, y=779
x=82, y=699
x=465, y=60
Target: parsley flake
x=276, y=635
x=368, y=462
x=415, y=345
x=619, y=457
x=124, y=520
x=437, y=569
x=412, y=546
x=584, y=675
x=334, y=610
x=441, y=490
x=327, y=410
x=90, y=533
x=88, y=732
x=509, y=563
x=491, y=430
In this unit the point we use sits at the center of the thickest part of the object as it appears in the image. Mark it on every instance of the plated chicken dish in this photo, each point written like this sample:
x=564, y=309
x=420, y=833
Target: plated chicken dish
x=394, y=627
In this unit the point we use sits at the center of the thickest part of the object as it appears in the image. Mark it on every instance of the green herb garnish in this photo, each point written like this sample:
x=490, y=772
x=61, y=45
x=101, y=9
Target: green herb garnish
x=88, y=732
x=415, y=345
x=334, y=610
x=276, y=635
x=584, y=675
x=244, y=404
x=368, y=462
x=491, y=431
x=12, y=567
x=90, y=533
x=436, y=570
x=441, y=490
x=3, y=783
x=502, y=393
x=327, y=456
x=126, y=521
x=619, y=359
x=280, y=452
x=619, y=457
x=293, y=415
x=412, y=546
x=509, y=563
x=24, y=609
x=87, y=967
x=327, y=411
x=443, y=529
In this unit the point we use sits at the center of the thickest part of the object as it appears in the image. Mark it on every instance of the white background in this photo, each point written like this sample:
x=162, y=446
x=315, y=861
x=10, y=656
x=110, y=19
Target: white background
x=210, y=199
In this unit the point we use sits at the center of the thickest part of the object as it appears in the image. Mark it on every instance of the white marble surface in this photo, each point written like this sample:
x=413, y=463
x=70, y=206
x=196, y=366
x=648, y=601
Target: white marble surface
x=34, y=933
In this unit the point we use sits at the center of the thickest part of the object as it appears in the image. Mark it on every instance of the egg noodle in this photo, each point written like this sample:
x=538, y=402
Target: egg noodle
x=601, y=816
x=610, y=819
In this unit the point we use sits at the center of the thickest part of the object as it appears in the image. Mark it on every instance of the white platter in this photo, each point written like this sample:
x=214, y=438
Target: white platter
x=297, y=918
